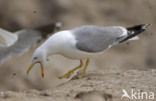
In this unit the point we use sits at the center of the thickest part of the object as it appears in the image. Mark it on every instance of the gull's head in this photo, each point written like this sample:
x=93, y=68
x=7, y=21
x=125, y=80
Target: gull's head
x=39, y=57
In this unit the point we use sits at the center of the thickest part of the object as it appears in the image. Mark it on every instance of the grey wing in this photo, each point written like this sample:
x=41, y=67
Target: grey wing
x=26, y=39
x=96, y=39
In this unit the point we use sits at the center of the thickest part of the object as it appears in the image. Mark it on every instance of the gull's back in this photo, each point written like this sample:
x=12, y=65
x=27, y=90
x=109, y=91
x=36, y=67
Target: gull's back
x=96, y=38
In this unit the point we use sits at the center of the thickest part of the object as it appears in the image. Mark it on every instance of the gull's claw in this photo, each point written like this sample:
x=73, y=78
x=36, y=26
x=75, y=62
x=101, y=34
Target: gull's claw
x=84, y=69
x=67, y=75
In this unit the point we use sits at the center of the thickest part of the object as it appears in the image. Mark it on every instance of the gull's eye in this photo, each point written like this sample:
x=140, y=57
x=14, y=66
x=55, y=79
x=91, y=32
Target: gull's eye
x=35, y=58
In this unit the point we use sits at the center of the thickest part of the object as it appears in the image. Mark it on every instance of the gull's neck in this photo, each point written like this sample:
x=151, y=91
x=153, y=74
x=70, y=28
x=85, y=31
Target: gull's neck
x=56, y=43
x=51, y=45
x=46, y=50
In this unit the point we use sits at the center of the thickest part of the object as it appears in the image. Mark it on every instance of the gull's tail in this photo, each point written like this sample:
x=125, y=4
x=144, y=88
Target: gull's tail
x=134, y=31
x=7, y=38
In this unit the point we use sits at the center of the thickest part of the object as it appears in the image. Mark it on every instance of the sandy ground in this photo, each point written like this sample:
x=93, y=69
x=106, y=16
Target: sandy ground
x=125, y=66
x=96, y=85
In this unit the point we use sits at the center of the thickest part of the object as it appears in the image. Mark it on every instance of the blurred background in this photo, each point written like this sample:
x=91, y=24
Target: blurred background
x=18, y=14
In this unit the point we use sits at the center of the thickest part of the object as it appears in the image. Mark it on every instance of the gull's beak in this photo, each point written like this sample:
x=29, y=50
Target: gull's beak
x=32, y=65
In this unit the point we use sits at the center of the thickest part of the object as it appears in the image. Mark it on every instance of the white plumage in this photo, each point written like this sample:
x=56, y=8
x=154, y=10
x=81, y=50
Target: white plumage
x=83, y=43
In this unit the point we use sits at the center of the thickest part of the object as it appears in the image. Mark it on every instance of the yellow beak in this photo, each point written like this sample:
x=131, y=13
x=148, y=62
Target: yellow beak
x=32, y=65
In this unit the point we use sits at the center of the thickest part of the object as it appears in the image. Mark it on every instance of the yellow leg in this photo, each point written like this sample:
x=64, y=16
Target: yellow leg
x=85, y=68
x=70, y=72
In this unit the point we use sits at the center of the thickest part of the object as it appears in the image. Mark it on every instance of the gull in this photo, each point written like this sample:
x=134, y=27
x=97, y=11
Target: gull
x=17, y=43
x=7, y=38
x=82, y=43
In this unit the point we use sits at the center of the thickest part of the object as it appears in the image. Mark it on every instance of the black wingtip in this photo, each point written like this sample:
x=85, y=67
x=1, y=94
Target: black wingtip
x=138, y=27
x=45, y=30
x=48, y=28
x=135, y=30
x=58, y=25
x=145, y=26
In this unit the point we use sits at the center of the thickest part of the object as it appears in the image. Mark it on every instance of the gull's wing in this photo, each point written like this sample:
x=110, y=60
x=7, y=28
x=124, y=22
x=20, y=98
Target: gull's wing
x=26, y=39
x=7, y=38
x=96, y=39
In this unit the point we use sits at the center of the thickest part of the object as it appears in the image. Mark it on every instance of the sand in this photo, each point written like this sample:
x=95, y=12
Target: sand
x=96, y=85
x=126, y=66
